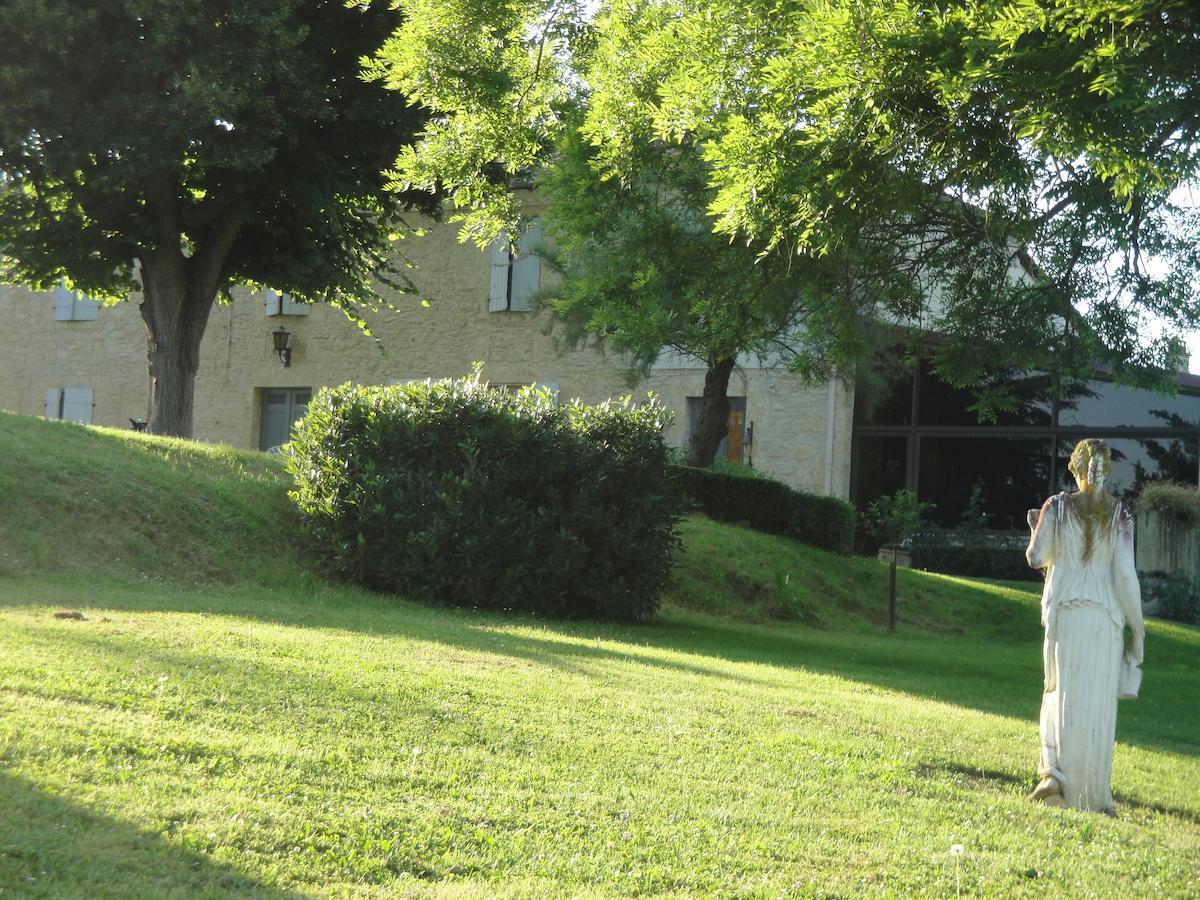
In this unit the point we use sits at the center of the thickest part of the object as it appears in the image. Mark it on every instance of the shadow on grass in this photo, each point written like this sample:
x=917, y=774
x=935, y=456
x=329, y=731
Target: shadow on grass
x=989, y=672
x=51, y=847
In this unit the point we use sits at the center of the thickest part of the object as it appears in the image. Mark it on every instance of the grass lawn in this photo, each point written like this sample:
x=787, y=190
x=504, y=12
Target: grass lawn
x=200, y=733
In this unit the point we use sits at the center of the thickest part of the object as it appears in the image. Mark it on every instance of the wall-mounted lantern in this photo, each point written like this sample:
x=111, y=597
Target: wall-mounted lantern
x=281, y=337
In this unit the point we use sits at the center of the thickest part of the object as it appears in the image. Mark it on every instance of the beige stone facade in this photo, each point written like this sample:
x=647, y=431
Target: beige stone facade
x=801, y=434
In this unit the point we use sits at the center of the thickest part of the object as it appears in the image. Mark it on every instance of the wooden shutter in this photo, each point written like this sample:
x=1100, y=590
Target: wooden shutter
x=272, y=303
x=77, y=405
x=291, y=307
x=86, y=309
x=64, y=304
x=54, y=404
x=526, y=268
x=498, y=292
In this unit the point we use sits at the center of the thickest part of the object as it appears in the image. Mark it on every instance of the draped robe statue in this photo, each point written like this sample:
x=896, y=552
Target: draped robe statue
x=1085, y=542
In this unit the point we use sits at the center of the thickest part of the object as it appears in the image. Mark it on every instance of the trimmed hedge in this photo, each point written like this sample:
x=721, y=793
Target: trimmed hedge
x=771, y=506
x=979, y=557
x=455, y=493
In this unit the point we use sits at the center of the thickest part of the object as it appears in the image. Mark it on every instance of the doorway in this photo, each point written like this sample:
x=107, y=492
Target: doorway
x=281, y=407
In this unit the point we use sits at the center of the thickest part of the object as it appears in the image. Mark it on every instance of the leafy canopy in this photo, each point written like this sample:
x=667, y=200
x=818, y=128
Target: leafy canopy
x=988, y=171
x=247, y=113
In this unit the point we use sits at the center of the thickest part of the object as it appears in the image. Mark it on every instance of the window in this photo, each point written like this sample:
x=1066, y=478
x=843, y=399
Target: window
x=1012, y=473
x=69, y=404
x=516, y=272
x=277, y=304
x=733, y=445
x=1099, y=404
x=72, y=306
x=281, y=407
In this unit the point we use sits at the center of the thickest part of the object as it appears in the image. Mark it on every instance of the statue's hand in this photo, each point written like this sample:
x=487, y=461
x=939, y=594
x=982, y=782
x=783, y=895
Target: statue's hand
x=1137, y=647
x=1032, y=518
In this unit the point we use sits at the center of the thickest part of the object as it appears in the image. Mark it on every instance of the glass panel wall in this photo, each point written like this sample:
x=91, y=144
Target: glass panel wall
x=1022, y=457
x=885, y=399
x=940, y=404
x=1013, y=475
x=1098, y=404
x=881, y=467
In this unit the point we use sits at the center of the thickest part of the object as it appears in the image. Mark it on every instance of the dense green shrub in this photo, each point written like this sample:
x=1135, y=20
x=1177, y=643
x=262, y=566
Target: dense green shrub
x=978, y=555
x=1178, y=598
x=1179, y=501
x=456, y=493
x=770, y=506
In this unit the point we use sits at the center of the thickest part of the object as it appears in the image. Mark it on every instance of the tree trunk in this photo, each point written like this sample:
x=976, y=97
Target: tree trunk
x=178, y=293
x=713, y=424
x=175, y=312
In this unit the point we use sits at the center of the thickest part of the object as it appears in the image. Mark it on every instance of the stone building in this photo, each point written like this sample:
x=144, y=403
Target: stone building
x=64, y=357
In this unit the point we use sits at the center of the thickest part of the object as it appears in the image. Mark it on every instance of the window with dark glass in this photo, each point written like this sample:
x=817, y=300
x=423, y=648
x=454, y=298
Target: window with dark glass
x=1029, y=396
x=885, y=398
x=881, y=466
x=1098, y=404
x=1013, y=474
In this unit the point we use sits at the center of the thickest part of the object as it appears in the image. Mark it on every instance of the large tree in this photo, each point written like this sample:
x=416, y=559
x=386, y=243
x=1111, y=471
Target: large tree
x=196, y=146
x=990, y=170
x=641, y=268
x=1049, y=137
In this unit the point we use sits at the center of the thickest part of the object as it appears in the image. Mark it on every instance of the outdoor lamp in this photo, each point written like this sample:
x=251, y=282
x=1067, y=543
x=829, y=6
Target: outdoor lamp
x=280, y=336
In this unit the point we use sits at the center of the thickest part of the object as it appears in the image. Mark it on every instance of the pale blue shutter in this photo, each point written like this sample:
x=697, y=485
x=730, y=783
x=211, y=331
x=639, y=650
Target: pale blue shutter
x=498, y=293
x=291, y=307
x=272, y=303
x=54, y=404
x=86, y=309
x=526, y=268
x=77, y=405
x=64, y=304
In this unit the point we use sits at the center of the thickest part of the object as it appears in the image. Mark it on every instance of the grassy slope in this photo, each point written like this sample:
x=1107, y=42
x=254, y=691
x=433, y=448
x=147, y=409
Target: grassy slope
x=201, y=734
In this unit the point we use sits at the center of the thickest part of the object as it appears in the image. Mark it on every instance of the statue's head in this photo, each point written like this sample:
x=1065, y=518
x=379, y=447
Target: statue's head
x=1091, y=463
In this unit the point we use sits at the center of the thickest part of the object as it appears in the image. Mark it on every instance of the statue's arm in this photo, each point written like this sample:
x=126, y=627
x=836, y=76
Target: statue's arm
x=1040, y=552
x=1128, y=590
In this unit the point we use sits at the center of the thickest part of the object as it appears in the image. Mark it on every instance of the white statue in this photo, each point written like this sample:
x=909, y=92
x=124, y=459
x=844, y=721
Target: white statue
x=1085, y=541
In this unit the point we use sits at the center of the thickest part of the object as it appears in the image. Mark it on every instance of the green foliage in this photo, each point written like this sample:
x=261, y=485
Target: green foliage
x=770, y=506
x=1180, y=502
x=642, y=268
x=252, y=116
x=974, y=518
x=973, y=557
x=888, y=146
x=456, y=493
x=1178, y=598
x=894, y=518
x=181, y=149
x=736, y=469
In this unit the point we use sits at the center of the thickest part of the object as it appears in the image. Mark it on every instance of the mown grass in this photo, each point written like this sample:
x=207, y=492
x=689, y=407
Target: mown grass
x=212, y=735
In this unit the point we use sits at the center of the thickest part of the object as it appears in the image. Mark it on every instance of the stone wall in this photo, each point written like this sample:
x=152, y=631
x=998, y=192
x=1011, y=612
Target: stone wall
x=1164, y=546
x=414, y=342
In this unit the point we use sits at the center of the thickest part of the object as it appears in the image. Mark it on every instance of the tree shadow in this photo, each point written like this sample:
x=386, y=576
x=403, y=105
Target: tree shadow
x=999, y=673
x=51, y=847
